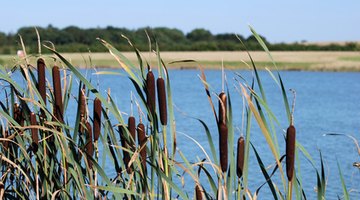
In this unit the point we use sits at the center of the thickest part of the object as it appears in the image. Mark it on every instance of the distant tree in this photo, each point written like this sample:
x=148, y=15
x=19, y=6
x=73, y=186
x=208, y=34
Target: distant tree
x=200, y=35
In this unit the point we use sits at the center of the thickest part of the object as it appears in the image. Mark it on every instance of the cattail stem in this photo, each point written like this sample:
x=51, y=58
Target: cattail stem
x=58, y=107
x=240, y=156
x=97, y=118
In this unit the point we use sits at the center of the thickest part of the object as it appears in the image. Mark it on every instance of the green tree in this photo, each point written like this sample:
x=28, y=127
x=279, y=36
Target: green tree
x=200, y=35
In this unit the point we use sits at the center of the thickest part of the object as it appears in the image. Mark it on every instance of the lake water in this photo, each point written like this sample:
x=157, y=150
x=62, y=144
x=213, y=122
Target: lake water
x=326, y=102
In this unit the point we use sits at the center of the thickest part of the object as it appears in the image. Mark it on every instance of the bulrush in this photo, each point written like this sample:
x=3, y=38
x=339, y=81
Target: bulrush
x=58, y=107
x=222, y=108
x=142, y=143
x=89, y=148
x=34, y=133
x=97, y=118
x=18, y=114
x=223, y=132
x=150, y=92
x=132, y=130
x=124, y=144
x=223, y=145
x=198, y=193
x=240, y=156
x=82, y=110
x=290, y=151
x=162, y=100
x=41, y=86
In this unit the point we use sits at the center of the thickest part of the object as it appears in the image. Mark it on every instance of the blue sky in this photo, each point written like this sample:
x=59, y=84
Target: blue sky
x=278, y=21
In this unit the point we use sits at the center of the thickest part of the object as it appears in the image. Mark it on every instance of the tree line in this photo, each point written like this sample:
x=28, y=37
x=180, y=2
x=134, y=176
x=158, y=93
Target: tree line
x=75, y=39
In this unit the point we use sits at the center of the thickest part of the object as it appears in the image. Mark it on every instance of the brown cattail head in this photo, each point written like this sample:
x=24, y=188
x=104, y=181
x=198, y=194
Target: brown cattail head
x=18, y=114
x=34, y=133
x=222, y=108
x=150, y=92
x=198, y=193
x=82, y=109
x=162, y=100
x=97, y=118
x=240, y=156
x=132, y=130
x=290, y=151
x=142, y=141
x=124, y=144
x=58, y=107
x=223, y=146
x=89, y=148
x=41, y=79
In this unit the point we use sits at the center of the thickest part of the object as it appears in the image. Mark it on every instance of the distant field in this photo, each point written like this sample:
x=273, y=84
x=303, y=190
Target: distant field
x=314, y=61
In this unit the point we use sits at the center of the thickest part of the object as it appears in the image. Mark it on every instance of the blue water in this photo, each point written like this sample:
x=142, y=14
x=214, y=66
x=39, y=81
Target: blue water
x=326, y=102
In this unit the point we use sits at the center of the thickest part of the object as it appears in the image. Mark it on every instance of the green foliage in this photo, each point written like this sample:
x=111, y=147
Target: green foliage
x=75, y=39
x=60, y=165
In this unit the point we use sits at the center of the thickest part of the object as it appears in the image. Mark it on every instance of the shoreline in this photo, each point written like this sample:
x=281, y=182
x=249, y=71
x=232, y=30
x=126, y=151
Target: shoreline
x=285, y=60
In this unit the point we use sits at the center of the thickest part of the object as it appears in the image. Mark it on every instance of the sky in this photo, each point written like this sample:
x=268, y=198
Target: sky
x=277, y=21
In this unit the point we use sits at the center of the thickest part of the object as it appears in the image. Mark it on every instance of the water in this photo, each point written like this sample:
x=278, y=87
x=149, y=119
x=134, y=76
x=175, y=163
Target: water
x=326, y=102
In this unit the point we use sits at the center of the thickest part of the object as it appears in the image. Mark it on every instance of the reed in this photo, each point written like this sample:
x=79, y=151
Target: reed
x=162, y=100
x=97, y=118
x=150, y=93
x=58, y=106
x=240, y=156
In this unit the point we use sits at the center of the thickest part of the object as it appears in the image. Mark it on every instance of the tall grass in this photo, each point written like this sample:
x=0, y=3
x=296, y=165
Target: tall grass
x=46, y=156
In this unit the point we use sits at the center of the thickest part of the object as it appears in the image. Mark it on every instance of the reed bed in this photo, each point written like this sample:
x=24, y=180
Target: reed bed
x=45, y=156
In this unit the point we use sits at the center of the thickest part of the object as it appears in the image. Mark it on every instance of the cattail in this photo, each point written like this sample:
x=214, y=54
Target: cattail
x=89, y=148
x=198, y=193
x=124, y=144
x=131, y=129
x=82, y=109
x=222, y=108
x=290, y=151
x=223, y=146
x=162, y=100
x=41, y=79
x=240, y=156
x=34, y=133
x=142, y=143
x=150, y=92
x=58, y=107
x=97, y=118
x=18, y=114
x=223, y=132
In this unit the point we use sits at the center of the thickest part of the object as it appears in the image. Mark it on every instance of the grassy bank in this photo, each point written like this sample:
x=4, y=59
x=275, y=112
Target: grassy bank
x=302, y=60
